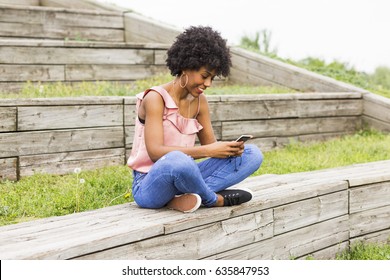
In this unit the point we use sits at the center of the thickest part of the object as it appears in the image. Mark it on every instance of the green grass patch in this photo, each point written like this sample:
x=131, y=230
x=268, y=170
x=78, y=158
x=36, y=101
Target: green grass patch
x=364, y=146
x=105, y=88
x=366, y=251
x=43, y=195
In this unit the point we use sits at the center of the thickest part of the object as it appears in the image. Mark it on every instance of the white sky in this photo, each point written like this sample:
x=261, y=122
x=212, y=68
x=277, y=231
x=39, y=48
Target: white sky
x=352, y=31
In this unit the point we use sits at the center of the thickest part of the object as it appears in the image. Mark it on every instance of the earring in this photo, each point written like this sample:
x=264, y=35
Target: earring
x=183, y=86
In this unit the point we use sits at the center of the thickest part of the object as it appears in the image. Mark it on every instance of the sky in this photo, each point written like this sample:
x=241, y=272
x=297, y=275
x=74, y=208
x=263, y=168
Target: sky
x=355, y=32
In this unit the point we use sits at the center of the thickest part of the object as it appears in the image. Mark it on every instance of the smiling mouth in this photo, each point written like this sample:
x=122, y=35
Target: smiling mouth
x=200, y=90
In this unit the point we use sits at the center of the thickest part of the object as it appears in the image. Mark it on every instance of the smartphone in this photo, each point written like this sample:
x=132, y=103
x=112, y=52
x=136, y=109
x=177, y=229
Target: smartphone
x=244, y=138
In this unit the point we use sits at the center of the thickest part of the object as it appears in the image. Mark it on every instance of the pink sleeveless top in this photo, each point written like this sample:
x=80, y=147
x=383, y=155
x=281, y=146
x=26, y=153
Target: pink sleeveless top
x=178, y=131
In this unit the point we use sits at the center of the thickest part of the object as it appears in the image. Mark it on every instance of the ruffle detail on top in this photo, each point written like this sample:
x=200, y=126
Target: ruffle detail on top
x=184, y=125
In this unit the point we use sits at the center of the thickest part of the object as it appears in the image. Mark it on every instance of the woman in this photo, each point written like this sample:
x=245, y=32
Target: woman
x=170, y=116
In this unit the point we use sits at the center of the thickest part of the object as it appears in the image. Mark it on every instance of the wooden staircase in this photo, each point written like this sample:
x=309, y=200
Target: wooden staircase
x=85, y=42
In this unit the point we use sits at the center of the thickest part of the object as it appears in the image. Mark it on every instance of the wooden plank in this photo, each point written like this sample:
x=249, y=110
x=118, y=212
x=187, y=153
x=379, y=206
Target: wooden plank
x=329, y=253
x=293, y=244
x=240, y=76
x=222, y=236
x=8, y=169
x=290, y=127
x=370, y=197
x=377, y=99
x=10, y=87
x=110, y=72
x=23, y=73
x=21, y=2
x=285, y=189
x=376, y=237
x=48, y=225
x=56, y=141
x=376, y=124
x=57, y=117
x=59, y=32
x=330, y=108
x=365, y=222
x=377, y=111
x=286, y=74
x=8, y=119
x=142, y=29
x=160, y=57
x=68, y=245
x=65, y=163
x=84, y=5
x=328, y=95
x=304, y=213
x=129, y=114
x=51, y=55
x=61, y=17
x=63, y=101
x=129, y=136
x=251, y=110
x=267, y=74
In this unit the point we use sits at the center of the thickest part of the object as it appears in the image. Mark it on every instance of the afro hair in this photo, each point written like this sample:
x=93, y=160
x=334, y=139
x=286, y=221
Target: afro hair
x=197, y=47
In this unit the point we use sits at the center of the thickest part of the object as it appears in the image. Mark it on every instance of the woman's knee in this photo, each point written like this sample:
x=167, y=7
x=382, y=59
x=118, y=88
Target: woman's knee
x=255, y=154
x=178, y=161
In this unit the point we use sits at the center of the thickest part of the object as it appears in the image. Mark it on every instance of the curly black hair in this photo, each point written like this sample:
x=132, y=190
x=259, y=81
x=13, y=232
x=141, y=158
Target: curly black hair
x=197, y=47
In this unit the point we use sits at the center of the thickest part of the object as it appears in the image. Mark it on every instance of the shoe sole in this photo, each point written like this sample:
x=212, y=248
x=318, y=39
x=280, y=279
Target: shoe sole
x=180, y=205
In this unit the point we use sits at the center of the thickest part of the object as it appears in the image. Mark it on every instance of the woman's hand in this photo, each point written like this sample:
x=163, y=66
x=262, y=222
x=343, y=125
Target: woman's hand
x=226, y=149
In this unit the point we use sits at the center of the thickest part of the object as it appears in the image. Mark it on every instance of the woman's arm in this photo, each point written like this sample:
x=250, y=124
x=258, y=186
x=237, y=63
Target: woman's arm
x=153, y=108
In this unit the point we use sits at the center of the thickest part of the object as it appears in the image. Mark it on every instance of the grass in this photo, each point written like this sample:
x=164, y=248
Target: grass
x=105, y=88
x=366, y=251
x=363, y=146
x=44, y=195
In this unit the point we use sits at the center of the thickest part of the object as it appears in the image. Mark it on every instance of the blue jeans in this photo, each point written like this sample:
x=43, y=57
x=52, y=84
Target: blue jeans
x=177, y=173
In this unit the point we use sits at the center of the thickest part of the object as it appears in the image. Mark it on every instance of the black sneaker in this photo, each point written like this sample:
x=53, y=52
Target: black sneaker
x=235, y=196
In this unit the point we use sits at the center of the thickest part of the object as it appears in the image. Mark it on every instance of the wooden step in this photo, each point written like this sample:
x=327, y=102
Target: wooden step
x=61, y=23
x=67, y=61
x=292, y=215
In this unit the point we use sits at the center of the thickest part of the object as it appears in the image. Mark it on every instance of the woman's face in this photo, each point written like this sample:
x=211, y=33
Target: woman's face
x=199, y=80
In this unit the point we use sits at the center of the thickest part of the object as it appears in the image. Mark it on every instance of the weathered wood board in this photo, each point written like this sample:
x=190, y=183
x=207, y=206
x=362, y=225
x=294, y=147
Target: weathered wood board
x=65, y=163
x=369, y=221
x=290, y=127
x=293, y=244
x=223, y=235
x=253, y=68
x=8, y=167
x=142, y=29
x=303, y=213
x=22, y=73
x=369, y=197
x=57, y=141
x=52, y=55
x=112, y=72
x=57, y=117
x=21, y=2
x=8, y=119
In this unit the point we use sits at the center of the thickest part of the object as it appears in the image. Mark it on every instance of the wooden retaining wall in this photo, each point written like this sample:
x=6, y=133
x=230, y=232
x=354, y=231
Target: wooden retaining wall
x=376, y=112
x=58, y=23
x=55, y=61
x=55, y=135
x=71, y=19
x=291, y=216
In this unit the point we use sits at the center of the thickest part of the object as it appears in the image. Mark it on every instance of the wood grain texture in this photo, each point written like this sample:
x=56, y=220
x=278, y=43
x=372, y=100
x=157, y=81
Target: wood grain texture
x=8, y=119
x=8, y=167
x=56, y=141
x=57, y=117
